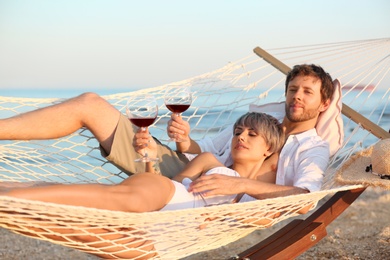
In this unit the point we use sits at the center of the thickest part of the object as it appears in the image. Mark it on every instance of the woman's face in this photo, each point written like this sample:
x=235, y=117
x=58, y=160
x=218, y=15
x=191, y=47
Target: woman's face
x=247, y=144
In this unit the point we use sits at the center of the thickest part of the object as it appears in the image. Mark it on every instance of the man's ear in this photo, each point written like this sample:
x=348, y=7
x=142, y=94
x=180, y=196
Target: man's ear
x=324, y=106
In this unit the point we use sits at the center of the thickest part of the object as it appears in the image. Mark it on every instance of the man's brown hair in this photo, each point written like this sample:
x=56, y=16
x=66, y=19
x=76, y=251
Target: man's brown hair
x=318, y=72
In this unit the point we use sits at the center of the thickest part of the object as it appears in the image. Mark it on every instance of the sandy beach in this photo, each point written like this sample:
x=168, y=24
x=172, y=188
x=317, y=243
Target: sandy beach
x=361, y=232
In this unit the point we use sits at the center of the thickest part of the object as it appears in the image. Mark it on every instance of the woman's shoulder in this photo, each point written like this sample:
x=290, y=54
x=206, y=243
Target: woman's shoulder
x=209, y=158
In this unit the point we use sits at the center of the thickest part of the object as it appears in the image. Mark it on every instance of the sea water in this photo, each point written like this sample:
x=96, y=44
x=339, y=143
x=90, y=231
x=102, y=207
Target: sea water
x=377, y=101
x=363, y=102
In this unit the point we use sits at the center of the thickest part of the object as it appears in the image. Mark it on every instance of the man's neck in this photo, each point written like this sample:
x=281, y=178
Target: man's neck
x=293, y=128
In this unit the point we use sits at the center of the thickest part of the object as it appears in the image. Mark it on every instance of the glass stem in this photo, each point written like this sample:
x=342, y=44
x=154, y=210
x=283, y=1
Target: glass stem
x=143, y=129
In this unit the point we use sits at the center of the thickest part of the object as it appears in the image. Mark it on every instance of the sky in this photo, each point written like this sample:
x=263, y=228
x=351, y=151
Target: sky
x=125, y=44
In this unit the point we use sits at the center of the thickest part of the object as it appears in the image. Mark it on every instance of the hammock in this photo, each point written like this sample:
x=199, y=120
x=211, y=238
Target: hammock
x=220, y=97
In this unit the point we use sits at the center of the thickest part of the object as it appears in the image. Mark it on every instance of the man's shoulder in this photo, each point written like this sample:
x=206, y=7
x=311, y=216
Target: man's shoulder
x=310, y=139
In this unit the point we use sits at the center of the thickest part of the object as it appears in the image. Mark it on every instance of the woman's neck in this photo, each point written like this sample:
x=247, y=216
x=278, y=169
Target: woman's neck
x=248, y=169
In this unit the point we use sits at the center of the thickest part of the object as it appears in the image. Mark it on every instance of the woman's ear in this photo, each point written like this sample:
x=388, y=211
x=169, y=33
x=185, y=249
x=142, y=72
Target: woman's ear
x=267, y=154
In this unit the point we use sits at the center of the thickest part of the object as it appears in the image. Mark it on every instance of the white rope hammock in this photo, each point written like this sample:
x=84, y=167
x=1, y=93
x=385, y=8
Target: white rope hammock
x=220, y=97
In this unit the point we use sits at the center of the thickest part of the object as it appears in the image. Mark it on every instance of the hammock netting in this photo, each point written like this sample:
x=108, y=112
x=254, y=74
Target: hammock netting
x=219, y=96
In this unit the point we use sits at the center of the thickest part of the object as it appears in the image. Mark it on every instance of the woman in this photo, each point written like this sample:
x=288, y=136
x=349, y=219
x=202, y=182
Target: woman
x=256, y=137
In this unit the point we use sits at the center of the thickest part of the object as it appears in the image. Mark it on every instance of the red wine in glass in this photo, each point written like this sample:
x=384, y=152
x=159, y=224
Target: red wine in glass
x=142, y=112
x=177, y=99
x=142, y=122
x=177, y=108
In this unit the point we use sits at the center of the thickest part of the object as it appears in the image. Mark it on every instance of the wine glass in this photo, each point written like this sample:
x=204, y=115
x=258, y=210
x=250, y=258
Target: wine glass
x=177, y=99
x=142, y=112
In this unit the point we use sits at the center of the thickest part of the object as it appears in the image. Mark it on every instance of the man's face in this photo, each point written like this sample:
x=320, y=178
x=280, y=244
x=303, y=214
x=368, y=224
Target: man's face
x=303, y=99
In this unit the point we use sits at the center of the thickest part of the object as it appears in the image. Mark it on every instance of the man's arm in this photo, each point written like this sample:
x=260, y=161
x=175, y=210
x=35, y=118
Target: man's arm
x=178, y=128
x=217, y=184
x=216, y=145
x=188, y=146
x=264, y=190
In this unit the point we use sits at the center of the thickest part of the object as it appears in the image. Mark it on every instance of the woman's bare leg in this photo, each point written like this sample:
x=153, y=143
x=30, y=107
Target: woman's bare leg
x=139, y=193
x=8, y=186
x=87, y=110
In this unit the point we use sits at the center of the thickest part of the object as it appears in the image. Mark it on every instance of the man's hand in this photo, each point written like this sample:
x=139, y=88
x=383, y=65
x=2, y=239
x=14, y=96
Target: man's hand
x=217, y=184
x=143, y=143
x=178, y=128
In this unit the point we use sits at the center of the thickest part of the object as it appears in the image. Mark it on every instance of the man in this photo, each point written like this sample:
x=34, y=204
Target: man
x=304, y=157
x=308, y=93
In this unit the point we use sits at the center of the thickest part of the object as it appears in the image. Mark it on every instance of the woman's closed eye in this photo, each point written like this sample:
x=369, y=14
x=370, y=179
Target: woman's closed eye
x=238, y=132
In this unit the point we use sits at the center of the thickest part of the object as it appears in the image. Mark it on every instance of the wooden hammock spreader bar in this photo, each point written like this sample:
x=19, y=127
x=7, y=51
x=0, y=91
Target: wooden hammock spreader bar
x=364, y=122
x=301, y=234
x=346, y=110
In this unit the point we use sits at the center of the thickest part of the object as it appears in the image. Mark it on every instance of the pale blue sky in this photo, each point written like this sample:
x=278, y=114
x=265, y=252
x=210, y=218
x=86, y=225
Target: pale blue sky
x=91, y=44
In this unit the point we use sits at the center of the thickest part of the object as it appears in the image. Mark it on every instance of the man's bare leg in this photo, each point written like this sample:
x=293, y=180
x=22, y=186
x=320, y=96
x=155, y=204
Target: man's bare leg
x=87, y=110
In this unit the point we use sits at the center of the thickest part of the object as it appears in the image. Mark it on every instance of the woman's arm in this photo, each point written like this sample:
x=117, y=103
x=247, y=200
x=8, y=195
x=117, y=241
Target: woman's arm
x=198, y=166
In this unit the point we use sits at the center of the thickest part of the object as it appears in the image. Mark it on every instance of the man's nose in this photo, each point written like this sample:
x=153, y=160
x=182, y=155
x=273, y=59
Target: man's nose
x=298, y=94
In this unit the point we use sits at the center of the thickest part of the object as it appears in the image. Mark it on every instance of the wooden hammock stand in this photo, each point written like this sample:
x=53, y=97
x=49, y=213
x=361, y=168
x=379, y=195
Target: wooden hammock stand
x=301, y=234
